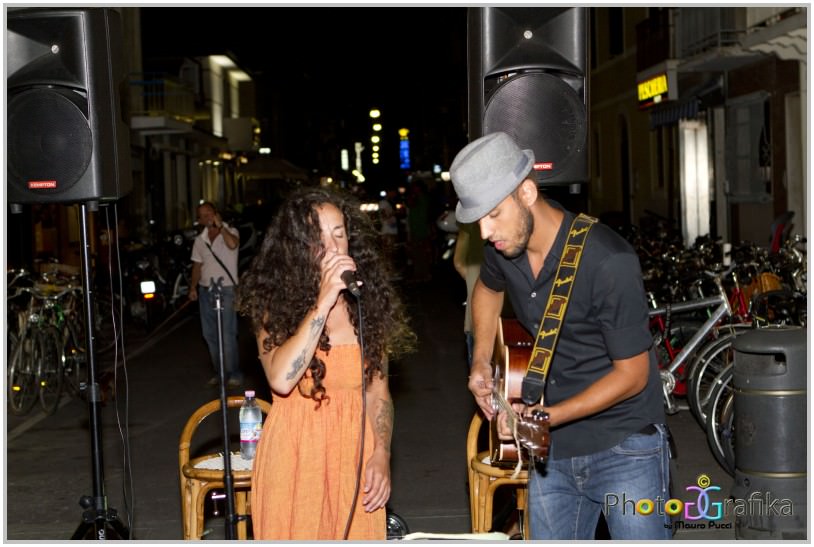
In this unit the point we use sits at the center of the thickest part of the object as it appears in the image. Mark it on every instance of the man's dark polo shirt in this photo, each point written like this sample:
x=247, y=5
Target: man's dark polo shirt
x=607, y=319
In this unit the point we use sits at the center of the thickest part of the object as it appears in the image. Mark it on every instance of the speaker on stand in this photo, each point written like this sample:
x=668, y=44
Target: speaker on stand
x=68, y=142
x=67, y=138
x=528, y=77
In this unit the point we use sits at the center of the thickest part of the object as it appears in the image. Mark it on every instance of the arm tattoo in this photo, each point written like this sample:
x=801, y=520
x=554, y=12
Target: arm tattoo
x=384, y=421
x=316, y=325
x=298, y=363
x=315, y=328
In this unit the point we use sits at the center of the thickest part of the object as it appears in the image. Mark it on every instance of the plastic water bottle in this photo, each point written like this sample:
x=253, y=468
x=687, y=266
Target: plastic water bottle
x=251, y=424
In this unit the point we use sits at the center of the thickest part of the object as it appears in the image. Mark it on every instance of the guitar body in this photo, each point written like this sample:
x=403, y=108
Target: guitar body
x=511, y=359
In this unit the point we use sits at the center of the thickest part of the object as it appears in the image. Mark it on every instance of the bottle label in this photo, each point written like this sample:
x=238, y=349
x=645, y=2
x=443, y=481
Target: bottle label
x=250, y=432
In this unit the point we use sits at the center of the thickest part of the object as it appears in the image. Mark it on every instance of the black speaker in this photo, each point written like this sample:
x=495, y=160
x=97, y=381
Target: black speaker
x=527, y=77
x=67, y=141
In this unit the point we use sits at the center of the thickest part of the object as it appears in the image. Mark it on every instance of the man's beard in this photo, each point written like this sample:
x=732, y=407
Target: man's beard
x=525, y=229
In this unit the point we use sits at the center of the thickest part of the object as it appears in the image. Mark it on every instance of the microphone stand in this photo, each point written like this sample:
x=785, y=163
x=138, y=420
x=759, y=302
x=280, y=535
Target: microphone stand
x=97, y=515
x=216, y=288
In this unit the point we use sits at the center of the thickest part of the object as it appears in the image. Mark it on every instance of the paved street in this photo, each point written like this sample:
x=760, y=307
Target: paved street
x=48, y=463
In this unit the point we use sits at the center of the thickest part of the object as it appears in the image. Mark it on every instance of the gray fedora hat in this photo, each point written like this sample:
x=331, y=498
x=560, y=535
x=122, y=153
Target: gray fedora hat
x=485, y=171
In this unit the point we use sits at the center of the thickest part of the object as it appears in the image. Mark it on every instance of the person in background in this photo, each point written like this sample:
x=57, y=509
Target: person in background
x=214, y=258
x=603, y=391
x=467, y=258
x=389, y=224
x=324, y=383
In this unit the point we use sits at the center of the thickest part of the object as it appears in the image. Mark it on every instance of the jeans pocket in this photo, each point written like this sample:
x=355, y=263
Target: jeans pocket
x=639, y=445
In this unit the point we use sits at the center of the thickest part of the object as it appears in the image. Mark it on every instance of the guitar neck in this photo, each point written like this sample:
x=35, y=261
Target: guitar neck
x=505, y=406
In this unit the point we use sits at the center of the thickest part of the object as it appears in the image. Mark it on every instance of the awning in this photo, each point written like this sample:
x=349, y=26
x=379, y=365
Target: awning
x=670, y=114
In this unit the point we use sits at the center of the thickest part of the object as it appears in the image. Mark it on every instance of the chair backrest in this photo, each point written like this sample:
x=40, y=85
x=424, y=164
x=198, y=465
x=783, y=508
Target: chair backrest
x=234, y=401
x=473, y=436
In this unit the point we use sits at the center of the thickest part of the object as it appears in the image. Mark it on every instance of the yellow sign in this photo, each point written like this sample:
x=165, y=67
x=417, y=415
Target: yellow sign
x=653, y=87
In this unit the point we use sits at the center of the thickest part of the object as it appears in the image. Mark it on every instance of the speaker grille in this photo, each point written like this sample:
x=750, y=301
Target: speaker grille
x=543, y=113
x=49, y=139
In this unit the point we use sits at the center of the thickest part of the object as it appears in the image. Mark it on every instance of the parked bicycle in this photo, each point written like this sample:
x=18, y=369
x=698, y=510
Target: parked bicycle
x=674, y=371
x=49, y=349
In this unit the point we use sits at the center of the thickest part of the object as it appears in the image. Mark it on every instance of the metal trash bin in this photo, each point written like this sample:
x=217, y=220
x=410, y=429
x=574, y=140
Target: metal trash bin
x=769, y=497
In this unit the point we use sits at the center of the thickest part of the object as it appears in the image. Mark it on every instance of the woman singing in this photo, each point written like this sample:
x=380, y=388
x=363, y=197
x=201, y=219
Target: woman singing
x=308, y=336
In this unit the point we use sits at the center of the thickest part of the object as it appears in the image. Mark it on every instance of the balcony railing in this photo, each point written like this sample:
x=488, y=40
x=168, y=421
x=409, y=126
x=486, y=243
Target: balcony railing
x=700, y=30
x=155, y=94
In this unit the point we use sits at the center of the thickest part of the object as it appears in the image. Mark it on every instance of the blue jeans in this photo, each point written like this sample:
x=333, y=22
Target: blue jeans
x=209, y=327
x=566, y=495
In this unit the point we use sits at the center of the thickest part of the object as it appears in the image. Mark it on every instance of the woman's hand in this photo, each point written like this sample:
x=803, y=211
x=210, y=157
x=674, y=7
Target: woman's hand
x=333, y=265
x=377, y=481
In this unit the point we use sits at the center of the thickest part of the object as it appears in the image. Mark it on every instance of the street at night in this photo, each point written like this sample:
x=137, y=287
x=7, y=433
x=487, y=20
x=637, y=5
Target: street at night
x=153, y=150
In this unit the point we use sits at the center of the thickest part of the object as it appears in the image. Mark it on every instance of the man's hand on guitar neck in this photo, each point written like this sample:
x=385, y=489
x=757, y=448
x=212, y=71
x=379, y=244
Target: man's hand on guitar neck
x=481, y=386
x=533, y=429
x=504, y=428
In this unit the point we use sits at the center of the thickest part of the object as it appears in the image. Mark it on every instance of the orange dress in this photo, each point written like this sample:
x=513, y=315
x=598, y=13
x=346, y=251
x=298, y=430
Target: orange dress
x=305, y=468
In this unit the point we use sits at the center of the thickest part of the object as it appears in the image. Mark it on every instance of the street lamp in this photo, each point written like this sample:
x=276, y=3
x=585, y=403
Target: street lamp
x=375, y=114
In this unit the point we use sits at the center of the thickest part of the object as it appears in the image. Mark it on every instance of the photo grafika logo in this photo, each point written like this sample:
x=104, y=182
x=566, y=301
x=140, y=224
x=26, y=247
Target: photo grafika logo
x=698, y=505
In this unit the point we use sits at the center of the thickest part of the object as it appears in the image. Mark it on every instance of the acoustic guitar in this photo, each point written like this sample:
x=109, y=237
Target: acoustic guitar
x=513, y=346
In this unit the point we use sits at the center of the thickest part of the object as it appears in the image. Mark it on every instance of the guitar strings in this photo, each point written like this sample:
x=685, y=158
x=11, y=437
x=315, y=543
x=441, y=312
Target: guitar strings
x=519, y=466
x=512, y=416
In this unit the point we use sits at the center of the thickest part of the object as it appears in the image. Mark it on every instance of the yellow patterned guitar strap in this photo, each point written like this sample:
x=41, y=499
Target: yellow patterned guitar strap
x=537, y=371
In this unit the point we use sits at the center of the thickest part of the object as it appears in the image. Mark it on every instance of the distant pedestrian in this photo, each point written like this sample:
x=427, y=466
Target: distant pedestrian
x=214, y=258
x=389, y=224
x=467, y=259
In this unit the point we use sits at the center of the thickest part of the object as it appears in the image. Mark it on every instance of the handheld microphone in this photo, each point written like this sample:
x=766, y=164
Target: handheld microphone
x=349, y=277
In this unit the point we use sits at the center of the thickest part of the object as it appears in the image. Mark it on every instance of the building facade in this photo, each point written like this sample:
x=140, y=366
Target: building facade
x=698, y=116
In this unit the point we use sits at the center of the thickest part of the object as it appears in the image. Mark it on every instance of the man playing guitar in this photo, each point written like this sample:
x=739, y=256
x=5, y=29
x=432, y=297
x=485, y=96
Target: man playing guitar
x=603, y=393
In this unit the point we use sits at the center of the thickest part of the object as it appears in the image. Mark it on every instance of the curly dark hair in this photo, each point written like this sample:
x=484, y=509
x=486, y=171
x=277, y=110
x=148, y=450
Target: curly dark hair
x=283, y=282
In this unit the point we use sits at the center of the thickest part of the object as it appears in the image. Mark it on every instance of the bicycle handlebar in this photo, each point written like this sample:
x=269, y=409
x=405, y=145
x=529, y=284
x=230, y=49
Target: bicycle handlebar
x=42, y=295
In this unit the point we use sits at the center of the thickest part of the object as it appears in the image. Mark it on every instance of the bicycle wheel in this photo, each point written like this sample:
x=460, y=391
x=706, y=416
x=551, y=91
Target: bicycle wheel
x=703, y=373
x=721, y=422
x=49, y=369
x=22, y=377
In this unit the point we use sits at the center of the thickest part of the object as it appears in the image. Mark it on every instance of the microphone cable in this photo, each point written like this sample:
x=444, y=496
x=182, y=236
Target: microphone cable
x=128, y=486
x=364, y=420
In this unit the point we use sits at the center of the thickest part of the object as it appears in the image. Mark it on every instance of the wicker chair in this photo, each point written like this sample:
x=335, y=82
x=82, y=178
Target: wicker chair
x=485, y=479
x=197, y=482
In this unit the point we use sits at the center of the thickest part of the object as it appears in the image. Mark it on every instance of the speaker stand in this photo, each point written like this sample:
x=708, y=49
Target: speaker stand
x=98, y=520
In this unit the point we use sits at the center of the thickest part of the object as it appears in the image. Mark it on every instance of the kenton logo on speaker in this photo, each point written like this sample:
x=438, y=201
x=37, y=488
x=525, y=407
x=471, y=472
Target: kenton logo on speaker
x=40, y=184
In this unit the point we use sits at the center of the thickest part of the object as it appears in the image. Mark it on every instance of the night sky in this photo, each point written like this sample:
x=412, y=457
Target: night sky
x=330, y=61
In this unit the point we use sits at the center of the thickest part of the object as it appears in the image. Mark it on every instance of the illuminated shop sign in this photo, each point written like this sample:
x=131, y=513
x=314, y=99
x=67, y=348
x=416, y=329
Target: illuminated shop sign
x=653, y=91
x=404, y=148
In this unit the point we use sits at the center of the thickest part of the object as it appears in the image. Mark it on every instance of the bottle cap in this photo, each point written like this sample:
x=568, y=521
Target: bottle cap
x=250, y=393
